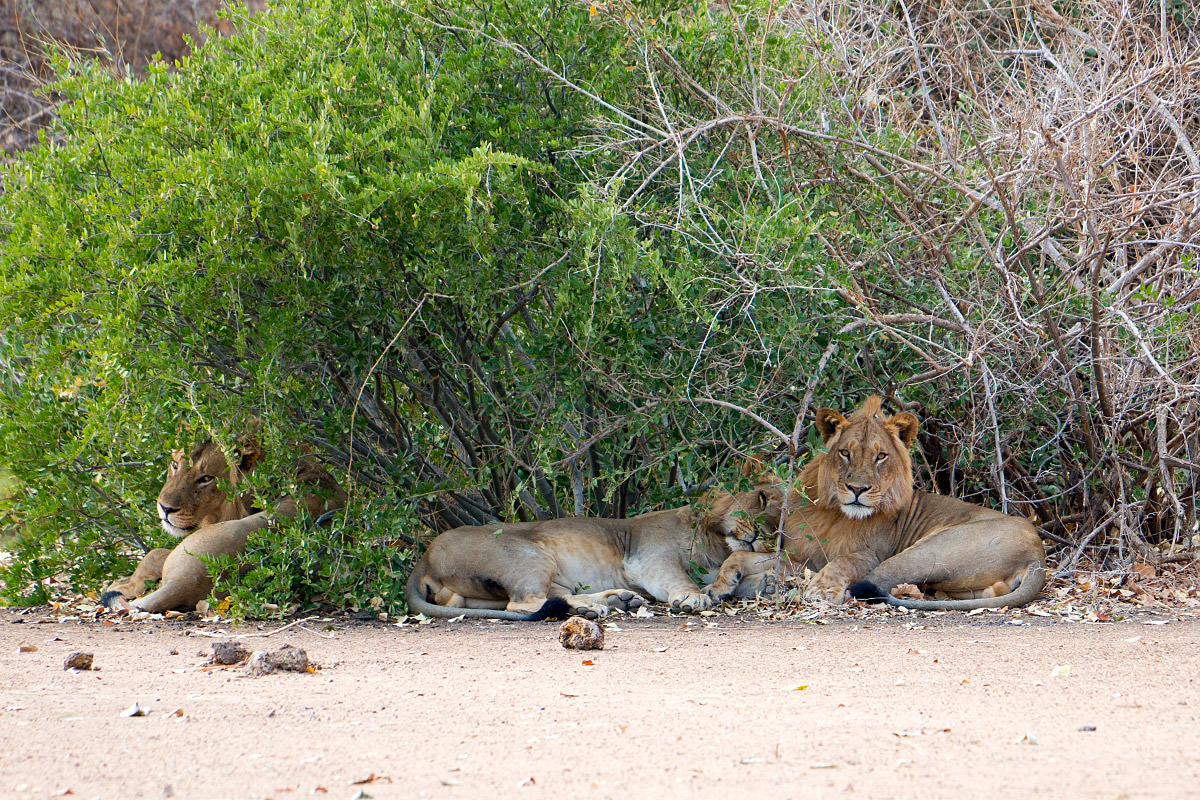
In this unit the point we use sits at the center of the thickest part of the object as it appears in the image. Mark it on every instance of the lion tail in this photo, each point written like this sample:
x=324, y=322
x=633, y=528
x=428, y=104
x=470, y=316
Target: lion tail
x=1027, y=592
x=553, y=608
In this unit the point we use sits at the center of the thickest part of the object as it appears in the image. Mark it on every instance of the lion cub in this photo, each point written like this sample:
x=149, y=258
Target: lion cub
x=588, y=566
x=199, y=503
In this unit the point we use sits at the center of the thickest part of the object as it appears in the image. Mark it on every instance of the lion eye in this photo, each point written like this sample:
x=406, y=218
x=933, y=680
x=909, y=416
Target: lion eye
x=844, y=453
x=204, y=480
x=881, y=457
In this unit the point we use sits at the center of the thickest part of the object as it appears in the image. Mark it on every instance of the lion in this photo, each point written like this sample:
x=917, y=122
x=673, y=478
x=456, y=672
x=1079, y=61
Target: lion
x=589, y=566
x=199, y=504
x=868, y=532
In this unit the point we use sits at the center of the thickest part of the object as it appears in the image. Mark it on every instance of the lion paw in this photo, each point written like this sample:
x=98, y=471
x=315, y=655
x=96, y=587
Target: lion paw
x=761, y=584
x=625, y=600
x=829, y=594
x=692, y=602
x=588, y=610
x=115, y=601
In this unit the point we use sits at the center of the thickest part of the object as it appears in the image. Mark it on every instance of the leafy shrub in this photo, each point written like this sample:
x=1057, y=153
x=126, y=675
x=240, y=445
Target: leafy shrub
x=377, y=230
x=529, y=259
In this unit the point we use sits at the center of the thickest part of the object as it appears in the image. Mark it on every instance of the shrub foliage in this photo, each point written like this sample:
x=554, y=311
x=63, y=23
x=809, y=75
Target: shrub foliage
x=524, y=260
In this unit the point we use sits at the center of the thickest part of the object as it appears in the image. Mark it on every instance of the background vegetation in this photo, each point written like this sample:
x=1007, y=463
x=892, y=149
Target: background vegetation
x=520, y=260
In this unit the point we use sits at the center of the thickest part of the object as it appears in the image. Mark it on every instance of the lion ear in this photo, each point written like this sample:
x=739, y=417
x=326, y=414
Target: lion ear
x=905, y=425
x=828, y=422
x=247, y=449
x=752, y=467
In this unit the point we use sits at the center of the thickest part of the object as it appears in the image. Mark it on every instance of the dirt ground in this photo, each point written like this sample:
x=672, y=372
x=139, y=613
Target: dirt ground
x=995, y=704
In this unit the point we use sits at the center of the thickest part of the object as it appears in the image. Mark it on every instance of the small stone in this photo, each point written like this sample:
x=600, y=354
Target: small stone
x=578, y=633
x=78, y=660
x=228, y=652
x=291, y=659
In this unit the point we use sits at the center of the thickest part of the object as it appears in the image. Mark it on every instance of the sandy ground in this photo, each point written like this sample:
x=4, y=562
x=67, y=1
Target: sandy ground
x=990, y=705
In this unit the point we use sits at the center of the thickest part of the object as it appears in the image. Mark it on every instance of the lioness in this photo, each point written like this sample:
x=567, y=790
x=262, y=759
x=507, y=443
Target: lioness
x=199, y=503
x=868, y=531
x=552, y=568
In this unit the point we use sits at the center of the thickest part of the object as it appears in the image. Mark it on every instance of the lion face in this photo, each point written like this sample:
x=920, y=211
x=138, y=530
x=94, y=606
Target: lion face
x=198, y=486
x=866, y=469
x=745, y=518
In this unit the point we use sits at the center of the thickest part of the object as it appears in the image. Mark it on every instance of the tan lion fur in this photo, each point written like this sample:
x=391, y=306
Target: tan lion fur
x=588, y=566
x=199, y=503
x=868, y=531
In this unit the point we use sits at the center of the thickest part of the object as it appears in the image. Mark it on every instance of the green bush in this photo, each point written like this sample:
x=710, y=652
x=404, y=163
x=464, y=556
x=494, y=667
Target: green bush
x=507, y=261
x=382, y=233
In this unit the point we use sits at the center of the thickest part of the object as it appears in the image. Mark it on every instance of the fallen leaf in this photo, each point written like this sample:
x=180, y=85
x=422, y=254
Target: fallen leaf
x=27, y=648
x=527, y=782
x=371, y=779
x=1144, y=569
x=1028, y=738
x=802, y=687
x=564, y=694
x=587, y=662
x=1060, y=671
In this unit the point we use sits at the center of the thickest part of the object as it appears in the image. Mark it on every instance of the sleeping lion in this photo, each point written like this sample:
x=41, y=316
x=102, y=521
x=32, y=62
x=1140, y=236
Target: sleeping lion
x=589, y=566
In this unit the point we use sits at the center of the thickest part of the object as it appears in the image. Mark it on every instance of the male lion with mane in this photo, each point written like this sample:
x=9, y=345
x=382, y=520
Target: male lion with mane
x=868, y=531
x=199, y=503
x=588, y=566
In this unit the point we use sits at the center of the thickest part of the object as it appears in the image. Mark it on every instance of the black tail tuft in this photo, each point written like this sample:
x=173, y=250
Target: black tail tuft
x=107, y=598
x=865, y=590
x=554, y=608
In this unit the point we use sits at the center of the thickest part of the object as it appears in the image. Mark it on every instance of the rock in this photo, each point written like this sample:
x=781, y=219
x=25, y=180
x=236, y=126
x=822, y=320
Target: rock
x=292, y=659
x=228, y=652
x=78, y=660
x=578, y=633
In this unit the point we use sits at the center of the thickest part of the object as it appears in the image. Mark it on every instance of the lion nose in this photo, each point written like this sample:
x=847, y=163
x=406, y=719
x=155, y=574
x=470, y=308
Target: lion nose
x=166, y=510
x=858, y=490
